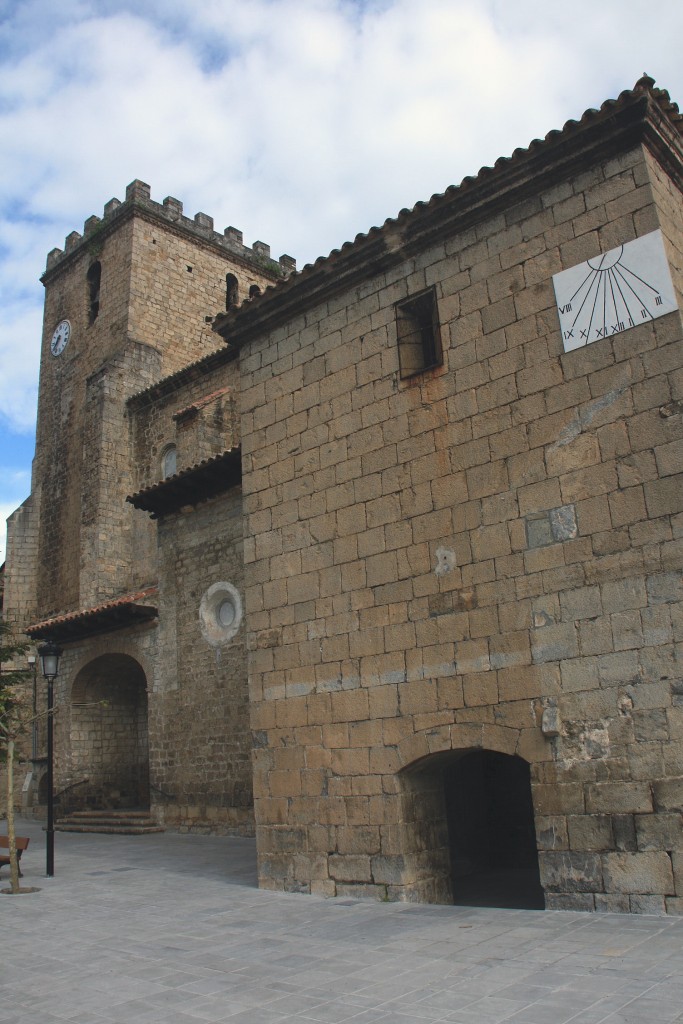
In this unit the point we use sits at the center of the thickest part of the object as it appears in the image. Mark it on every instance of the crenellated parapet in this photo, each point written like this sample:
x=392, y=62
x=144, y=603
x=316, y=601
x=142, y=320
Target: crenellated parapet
x=171, y=211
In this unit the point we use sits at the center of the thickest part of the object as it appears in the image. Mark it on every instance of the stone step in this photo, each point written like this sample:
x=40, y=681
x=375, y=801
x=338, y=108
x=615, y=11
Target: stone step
x=123, y=813
x=130, y=823
x=109, y=829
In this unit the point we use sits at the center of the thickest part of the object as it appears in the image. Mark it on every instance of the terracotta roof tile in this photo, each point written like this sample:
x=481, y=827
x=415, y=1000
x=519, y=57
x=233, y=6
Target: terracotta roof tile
x=192, y=485
x=201, y=403
x=644, y=89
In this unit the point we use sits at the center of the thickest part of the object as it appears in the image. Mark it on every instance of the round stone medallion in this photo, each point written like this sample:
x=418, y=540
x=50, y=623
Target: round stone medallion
x=220, y=613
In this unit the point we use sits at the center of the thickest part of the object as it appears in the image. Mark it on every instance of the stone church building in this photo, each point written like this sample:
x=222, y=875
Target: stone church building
x=381, y=560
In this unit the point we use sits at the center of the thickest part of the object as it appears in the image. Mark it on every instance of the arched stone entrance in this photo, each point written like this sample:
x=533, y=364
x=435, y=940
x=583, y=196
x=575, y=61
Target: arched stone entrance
x=468, y=830
x=109, y=739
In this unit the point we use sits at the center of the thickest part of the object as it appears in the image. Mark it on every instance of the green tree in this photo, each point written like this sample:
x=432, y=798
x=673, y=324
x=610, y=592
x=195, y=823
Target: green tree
x=13, y=721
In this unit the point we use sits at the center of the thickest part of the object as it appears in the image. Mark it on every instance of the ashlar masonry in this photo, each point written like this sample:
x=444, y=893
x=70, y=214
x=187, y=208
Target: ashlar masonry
x=409, y=602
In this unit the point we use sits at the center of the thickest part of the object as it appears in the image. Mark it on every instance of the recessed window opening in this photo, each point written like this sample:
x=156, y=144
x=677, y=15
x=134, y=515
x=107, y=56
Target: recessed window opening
x=225, y=613
x=169, y=461
x=94, y=276
x=231, y=291
x=418, y=334
x=254, y=290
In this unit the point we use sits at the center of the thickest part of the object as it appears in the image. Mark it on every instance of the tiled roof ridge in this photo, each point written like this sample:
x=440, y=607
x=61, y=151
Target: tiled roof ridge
x=644, y=87
x=201, y=403
x=116, y=602
x=168, y=384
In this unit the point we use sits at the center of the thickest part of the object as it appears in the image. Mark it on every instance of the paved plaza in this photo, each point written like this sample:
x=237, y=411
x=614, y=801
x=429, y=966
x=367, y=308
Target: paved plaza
x=171, y=928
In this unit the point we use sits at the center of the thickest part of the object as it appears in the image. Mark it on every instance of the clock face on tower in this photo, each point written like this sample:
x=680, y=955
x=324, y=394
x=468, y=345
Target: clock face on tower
x=614, y=291
x=60, y=338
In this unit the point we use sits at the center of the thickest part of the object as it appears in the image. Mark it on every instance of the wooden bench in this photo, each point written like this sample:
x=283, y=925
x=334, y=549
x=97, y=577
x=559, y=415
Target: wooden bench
x=21, y=843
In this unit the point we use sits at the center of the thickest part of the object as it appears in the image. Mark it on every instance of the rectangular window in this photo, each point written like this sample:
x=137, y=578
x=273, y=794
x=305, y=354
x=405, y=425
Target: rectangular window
x=418, y=334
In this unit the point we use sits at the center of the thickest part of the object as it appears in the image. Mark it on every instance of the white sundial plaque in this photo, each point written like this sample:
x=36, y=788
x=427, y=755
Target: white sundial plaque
x=614, y=291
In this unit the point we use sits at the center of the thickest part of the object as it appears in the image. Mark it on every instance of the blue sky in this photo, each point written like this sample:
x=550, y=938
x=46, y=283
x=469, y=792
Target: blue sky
x=301, y=122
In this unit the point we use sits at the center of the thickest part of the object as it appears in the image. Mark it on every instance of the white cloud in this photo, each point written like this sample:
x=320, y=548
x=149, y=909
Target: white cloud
x=302, y=122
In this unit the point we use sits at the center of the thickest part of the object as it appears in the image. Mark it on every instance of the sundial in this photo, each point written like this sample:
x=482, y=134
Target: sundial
x=614, y=291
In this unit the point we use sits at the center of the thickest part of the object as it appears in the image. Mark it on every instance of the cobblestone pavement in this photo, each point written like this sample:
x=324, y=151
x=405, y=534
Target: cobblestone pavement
x=171, y=928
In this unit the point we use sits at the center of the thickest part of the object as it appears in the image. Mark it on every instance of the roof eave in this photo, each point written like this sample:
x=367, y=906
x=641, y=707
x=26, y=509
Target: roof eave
x=638, y=117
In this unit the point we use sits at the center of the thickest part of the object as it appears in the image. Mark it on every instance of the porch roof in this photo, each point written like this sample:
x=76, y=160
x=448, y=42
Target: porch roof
x=120, y=613
x=191, y=486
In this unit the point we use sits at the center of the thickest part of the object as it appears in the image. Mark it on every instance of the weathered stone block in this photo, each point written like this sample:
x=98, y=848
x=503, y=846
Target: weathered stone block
x=648, y=873
x=558, y=799
x=659, y=832
x=668, y=794
x=350, y=868
x=554, y=643
x=610, y=903
x=388, y=870
x=622, y=595
x=551, y=833
x=571, y=872
x=665, y=588
x=665, y=496
x=618, y=797
x=650, y=725
x=570, y=901
x=624, y=830
x=647, y=904
x=591, y=832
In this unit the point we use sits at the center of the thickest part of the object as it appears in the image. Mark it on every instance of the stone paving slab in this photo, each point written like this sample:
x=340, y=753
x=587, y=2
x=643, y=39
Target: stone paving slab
x=171, y=929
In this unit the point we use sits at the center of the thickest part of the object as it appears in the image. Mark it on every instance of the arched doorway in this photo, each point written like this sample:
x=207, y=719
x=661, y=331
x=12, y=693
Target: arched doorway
x=109, y=739
x=491, y=833
x=468, y=834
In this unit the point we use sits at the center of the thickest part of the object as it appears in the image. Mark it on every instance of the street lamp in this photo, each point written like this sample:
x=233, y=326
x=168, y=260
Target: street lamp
x=49, y=655
x=31, y=659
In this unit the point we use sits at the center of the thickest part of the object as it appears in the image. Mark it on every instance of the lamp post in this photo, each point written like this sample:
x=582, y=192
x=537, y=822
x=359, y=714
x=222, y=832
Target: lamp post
x=49, y=655
x=31, y=659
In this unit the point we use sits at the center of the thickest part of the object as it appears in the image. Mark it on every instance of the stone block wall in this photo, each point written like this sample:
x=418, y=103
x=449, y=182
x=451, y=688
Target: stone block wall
x=200, y=740
x=162, y=279
x=178, y=286
x=62, y=467
x=439, y=564
x=19, y=581
x=116, y=547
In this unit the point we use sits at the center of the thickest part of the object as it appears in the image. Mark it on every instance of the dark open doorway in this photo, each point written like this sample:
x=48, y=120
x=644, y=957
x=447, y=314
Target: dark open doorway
x=494, y=861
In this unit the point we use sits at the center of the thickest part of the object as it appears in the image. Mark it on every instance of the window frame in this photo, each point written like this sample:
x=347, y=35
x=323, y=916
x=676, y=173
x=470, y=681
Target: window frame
x=418, y=315
x=169, y=449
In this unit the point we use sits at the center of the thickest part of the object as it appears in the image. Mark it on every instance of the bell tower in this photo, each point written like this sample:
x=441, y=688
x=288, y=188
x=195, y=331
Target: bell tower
x=128, y=302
